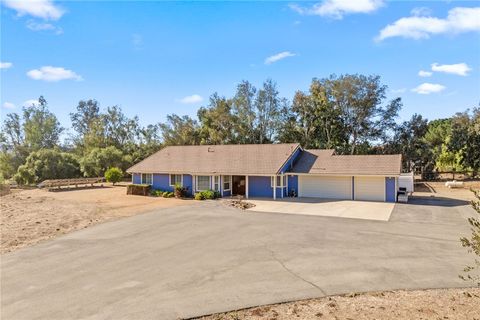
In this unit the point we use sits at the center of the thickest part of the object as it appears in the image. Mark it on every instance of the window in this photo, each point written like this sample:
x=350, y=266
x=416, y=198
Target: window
x=227, y=181
x=279, y=181
x=176, y=179
x=203, y=183
x=216, y=183
x=146, y=178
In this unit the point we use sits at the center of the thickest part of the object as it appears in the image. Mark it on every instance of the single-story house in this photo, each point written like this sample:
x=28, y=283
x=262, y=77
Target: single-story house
x=271, y=170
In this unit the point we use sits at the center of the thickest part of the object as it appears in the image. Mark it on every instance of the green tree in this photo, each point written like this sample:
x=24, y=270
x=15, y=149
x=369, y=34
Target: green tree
x=85, y=121
x=47, y=164
x=114, y=175
x=41, y=127
x=98, y=160
x=179, y=131
x=217, y=124
x=243, y=109
x=466, y=139
x=268, y=105
x=473, y=243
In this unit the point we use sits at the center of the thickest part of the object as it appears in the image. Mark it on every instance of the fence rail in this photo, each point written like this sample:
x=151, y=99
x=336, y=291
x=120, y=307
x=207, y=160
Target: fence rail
x=58, y=183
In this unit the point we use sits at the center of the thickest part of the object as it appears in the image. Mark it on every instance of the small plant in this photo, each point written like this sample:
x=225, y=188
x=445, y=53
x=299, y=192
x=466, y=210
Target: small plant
x=209, y=194
x=473, y=244
x=114, y=175
x=199, y=196
x=179, y=191
x=170, y=195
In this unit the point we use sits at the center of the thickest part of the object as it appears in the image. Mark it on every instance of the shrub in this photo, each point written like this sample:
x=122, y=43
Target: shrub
x=165, y=194
x=98, y=160
x=170, y=195
x=114, y=175
x=156, y=193
x=179, y=191
x=473, y=243
x=139, y=189
x=209, y=194
x=199, y=196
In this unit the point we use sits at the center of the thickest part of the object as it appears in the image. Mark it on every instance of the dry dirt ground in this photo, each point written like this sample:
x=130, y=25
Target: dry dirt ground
x=391, y=305
x=31, y=216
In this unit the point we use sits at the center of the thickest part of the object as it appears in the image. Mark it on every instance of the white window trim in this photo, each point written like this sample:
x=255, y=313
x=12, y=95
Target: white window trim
x=214, y=183
x=229, y=183
x=151, y=178
x=209, y=183
x=278, y=185
x=170, y=179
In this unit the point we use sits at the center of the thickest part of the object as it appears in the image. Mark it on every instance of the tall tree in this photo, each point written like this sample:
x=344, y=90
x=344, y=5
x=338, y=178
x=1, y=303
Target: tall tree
x=268, y=105
x=243, y=109
x=217, y=124
x=84, y=120
x=179, y=131
x=466, y=138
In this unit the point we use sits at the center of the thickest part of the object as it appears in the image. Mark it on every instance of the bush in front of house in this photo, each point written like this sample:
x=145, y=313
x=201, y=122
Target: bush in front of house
x=179, y=191
x=139, y=189
x=207, y=195
x=114, y=175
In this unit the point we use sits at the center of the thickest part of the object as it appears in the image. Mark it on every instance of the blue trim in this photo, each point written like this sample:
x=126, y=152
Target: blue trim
x=390, y=189
x=188, y=183
x=292, y=185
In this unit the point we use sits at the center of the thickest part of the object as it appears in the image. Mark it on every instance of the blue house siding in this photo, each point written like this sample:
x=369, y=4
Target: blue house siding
x=292, y=184
x=259, y=187
x=390, y=189
x=188, y=183
x=289, y=164
x=136, y=178
x=161, y=182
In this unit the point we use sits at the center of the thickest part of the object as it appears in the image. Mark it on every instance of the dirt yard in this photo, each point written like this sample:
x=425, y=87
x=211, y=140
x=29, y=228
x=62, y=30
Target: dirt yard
x=390, y=305
x=31, y=216
x=438, y=189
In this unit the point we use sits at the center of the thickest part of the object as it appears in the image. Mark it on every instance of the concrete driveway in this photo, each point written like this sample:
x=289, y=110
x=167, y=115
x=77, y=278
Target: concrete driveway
x=368, y=210
x=190, y=261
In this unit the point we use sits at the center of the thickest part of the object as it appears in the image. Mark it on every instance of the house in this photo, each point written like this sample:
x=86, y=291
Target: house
x=271, y=170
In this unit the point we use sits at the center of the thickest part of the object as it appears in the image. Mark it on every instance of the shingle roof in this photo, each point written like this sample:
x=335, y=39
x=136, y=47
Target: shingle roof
x=317, y=161
x=219, y=159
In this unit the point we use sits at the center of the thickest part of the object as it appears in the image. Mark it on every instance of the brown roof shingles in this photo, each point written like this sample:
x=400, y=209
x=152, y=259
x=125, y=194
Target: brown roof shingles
x=218, y=159
x=325, y=162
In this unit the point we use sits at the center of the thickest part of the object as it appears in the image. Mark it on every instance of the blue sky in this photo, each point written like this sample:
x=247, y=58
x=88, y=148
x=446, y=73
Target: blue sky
x=155, y=58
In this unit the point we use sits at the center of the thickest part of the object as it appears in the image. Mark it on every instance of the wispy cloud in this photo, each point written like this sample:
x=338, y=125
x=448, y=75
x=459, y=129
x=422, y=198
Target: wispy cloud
x=279, y=56
x=6, y=65
x=338, y=8
x=137, y=41
x=31, y=102
x=194, y=98
x=8, y=105
x=458, y=20
x=423, y=73
x=43, y=26
x=53, y=74
x=44, y=9
x=461, y=69
x=428, y=88
x=401, y=90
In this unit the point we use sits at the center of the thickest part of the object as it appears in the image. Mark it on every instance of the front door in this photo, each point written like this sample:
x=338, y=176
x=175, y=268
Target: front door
x=238, y=185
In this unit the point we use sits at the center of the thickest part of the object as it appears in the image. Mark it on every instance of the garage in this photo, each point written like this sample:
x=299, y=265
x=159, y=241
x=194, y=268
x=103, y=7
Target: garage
x=327, y=187
x=370, y=188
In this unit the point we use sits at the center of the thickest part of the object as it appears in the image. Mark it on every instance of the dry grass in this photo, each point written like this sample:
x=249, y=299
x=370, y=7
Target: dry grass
x=31, y=216
x=390, y=305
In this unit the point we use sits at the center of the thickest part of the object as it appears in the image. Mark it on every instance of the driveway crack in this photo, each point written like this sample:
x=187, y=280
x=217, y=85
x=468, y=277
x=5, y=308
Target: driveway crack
x=272, y=253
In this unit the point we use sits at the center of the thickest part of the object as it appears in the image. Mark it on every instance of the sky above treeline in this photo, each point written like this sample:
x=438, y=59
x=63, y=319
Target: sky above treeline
x=155, y=58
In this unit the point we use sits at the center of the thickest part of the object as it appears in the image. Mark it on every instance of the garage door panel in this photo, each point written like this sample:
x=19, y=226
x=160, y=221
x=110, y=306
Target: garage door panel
x=328, y=187
x=370, y=188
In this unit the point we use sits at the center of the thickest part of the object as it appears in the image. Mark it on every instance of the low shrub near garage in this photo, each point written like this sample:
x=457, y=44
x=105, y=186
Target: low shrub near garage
x=138, y=189
x=207, y=195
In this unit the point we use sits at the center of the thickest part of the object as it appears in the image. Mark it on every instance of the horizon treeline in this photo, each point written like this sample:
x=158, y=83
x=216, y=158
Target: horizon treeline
x=348, y=113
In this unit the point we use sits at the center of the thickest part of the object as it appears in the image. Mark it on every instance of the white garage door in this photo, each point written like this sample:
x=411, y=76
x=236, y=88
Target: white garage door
x=370, y=188
x=325, y=187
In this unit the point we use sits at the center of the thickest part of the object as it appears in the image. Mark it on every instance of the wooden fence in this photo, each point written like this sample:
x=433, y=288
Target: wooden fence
x=58, y=183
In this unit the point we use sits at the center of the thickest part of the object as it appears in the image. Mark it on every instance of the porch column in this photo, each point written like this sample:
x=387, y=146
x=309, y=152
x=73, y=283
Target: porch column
x=246, y=187
x=194, y=184
x=286, y=187
x=282, y=177
x=274, y=187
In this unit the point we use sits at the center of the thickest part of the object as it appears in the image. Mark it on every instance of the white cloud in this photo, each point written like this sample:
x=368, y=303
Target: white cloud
x=35, y=26
x=423, y=73
x=459, y=20
x=31, y=102
x=53, y=74
x=427, y=88
x=137, y=41
x=401, y=90
x=194, y=98
x=338, y=8
x=44, y=9
x=8, y=105
x=5, y=65
x=460, y=69
x=279, y=56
